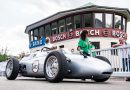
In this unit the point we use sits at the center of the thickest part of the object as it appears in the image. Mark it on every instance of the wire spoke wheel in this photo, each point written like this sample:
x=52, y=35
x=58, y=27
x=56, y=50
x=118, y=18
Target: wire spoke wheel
x=12, y=69
x=52, y=66
x=55, y=67
x=9, y=68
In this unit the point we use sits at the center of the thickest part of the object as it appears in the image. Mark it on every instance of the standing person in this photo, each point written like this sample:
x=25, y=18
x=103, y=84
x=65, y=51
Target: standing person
x=122, y=53
x=128, y=56
x=121, y=43
x=84, y=43
x=128, y=78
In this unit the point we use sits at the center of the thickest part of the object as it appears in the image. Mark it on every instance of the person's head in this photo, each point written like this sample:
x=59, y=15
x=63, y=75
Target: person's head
x=47, y=40
x=83, y=35
x=121, y=41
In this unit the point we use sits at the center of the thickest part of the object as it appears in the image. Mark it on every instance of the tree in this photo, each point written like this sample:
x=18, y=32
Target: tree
x=3, y=54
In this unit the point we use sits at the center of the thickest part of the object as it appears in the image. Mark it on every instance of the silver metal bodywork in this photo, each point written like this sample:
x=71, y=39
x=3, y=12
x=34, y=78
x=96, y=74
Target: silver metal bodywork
x=77, y=67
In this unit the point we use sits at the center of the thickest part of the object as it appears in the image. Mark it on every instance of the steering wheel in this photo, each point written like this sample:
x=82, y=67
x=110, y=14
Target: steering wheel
x=45, y=49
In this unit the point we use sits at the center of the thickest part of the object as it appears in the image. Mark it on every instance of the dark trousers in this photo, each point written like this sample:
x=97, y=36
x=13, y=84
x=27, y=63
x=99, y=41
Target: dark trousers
x=126, y=64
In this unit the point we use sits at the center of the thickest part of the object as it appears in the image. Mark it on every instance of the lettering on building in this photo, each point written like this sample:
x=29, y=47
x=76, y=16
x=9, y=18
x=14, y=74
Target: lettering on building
x=118, y=34
x=106, y=33
x=59, y=37
x=91, y=33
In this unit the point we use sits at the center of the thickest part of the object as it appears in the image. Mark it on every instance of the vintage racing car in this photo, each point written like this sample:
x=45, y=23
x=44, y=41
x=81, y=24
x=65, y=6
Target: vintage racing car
x=54, y=66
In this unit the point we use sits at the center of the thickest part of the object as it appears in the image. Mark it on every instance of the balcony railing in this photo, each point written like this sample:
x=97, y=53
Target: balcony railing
x=119, y=58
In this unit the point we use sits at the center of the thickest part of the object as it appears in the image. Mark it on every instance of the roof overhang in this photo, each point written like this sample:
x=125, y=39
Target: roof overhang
x=123, y=11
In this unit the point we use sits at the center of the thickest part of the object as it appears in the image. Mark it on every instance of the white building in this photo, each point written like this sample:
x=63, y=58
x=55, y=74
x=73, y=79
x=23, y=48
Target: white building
x=104, y=24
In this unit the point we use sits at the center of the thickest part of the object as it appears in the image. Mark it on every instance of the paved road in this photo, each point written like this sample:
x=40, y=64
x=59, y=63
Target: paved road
x=42, y=84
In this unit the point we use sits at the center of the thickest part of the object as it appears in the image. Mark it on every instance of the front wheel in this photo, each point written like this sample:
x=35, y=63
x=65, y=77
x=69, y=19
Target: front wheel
x=55, y=67
x=12, y=69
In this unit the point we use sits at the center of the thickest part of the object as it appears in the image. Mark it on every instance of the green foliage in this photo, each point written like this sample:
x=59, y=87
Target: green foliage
x=3, y=54
x=3, y=57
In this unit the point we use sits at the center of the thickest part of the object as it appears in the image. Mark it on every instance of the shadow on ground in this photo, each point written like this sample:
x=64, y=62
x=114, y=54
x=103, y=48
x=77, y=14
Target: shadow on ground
x=66, y=81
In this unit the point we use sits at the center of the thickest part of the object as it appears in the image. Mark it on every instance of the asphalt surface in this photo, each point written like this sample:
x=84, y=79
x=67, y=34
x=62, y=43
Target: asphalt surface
x=22, y=83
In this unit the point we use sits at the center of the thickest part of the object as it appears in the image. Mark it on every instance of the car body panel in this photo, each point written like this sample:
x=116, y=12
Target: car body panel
x=78, y=66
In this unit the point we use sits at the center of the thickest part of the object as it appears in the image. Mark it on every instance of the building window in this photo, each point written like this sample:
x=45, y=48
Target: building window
x=36, y=34
x=124, y=24
x=47, y=30
x=108, y=18
x=54, y=28
x=97, y=46
x=114, y=51
x=41, y=32
x=69, y=24
x=98, y=21
x=61, y=24
x=77, y=21
x=117, y=22
x=31, y=34
x=88, y=20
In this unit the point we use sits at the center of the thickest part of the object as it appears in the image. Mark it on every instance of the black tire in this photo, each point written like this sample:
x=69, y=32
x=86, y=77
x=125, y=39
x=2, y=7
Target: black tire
x=103, y=59
x=15, y=69
x=61, y=72
x=101, y=80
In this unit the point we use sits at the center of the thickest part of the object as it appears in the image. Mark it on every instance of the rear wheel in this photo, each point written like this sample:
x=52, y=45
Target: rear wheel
x=55, y=67
x=12, y=69
x=101, y=80
x=106, y=60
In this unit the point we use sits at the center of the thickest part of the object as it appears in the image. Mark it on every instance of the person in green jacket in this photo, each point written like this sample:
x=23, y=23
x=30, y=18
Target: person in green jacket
x=84, y=44
x=92, y=47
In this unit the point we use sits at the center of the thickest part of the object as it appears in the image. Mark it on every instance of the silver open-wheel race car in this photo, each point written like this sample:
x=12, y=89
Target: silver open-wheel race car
x=54, y=66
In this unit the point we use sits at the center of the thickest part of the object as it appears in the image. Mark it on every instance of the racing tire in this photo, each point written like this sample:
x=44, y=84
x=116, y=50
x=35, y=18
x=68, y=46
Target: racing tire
x=55, y=67
x=103, y=59
x=12, y=69
x=101, y=80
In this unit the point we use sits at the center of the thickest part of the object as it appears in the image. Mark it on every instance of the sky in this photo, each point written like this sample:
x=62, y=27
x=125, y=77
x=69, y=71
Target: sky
x=15, y=15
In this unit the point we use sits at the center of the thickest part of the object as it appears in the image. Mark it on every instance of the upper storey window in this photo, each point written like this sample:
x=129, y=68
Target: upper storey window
x=41, y=32
x=61, y=24
x=54, y=28
x=47, y=30
x=109, y=18
x=77, y=21
x=88, y=20
x=69, y=24
x=36, y=34
x=124, y=24
x=98, y=22
x=117, y=22
x=31, y=35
